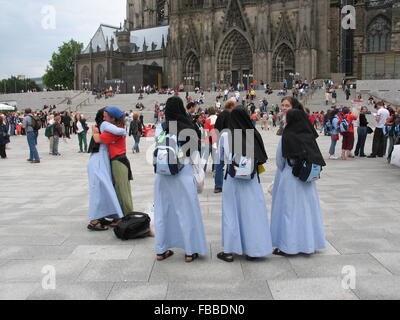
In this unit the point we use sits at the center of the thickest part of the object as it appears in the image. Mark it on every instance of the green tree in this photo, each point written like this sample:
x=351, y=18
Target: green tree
x=61, y=66
x=13, y=85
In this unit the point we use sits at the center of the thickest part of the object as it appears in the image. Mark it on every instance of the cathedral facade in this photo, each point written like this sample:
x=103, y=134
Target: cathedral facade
x=209, y=43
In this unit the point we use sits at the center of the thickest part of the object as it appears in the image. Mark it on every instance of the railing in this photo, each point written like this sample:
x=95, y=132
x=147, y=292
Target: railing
x=78, y=106
x=67, y=98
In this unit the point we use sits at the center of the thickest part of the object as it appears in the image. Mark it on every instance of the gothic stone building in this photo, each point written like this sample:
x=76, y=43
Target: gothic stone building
x=223, y=42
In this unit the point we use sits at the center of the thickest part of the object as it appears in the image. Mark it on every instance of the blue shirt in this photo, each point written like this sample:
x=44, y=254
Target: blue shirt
x=335, y=126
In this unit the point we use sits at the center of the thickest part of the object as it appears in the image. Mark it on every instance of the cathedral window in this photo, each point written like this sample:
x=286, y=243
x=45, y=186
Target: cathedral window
x=379, y=35
x=193, y=3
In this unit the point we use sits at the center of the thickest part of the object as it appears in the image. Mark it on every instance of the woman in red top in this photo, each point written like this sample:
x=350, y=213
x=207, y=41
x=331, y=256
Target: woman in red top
x=348, y=137
x=120, y=166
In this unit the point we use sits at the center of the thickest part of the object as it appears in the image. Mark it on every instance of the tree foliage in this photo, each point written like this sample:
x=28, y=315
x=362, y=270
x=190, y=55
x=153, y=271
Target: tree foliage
x=61, y=66
x=14, y=85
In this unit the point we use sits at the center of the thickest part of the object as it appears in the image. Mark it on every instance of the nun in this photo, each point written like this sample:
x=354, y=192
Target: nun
x=178, y=220
x=103, y=201
x=222, y=124
x=297, y=221
x=245, y=225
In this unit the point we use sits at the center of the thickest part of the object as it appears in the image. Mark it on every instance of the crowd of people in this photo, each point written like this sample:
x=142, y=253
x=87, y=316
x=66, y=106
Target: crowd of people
x=55, y=125
x=178, y=221
x=343, y=122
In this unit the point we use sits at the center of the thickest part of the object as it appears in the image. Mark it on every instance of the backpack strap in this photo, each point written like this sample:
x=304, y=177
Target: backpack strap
x=227, y=172
x=164, y=126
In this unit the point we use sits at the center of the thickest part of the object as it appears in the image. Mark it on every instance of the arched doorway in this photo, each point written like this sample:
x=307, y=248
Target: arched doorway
x=283, y=64
x=85, y=78
x=100, y=76
x=191, y=75
x=235, y=60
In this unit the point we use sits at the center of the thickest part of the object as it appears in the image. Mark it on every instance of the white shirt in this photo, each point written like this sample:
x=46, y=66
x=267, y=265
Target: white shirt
x=384, y=115
x=79, y=127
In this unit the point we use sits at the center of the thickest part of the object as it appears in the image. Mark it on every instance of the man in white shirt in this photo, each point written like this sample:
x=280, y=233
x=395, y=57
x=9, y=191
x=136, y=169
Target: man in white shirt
x=378, y=144
x=226, y=93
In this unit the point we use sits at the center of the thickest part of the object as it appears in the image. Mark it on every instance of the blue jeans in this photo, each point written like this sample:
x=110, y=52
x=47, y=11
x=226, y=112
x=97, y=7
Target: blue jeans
x=333, y=146
x=137, y=141
x=207, y=151
x=362, y=137
x=219, y=174
x=33, y=153
x=12, y=129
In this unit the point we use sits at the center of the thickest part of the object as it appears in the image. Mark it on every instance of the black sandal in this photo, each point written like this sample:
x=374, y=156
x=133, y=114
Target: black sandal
x=225, y=257
x=165, y=255
x=278, y=252
x=192, y=257
x=96, y=226
x=248, y=258
x=105, y=222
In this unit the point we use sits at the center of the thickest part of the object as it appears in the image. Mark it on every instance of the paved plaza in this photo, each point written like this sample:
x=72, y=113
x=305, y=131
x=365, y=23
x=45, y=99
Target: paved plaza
x=43, y=218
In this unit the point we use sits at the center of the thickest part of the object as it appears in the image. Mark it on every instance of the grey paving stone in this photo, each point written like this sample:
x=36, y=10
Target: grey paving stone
x=138, y=291
x=74, y=291
x=215, y=290
x=118, y=270
x=3, y=261
x=268, y=269
x=310, y=289
x=35, y=252
x=390, y=260
x=36, y=240
x=363, y=241
x=101, y=252
x=31, y=270
x=378, y=288
x=17, y=291
x=176, y=270
x=332, y=266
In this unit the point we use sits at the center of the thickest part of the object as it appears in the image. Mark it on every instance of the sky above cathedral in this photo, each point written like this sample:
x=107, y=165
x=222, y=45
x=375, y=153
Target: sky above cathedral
x=31, y=30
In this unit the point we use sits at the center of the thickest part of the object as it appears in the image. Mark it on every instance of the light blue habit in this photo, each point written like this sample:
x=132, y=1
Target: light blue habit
x=178, y=221
x=245, y=225
x=297, y=221
x=103, y=201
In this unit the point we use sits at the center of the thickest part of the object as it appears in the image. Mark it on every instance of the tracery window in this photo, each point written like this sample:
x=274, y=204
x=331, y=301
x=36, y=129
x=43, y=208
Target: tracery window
x=379, y=35
x=193, y=3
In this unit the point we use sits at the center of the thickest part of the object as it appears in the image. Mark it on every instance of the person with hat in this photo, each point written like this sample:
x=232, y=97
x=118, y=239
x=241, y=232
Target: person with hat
x=103, y=200
x=120, y=165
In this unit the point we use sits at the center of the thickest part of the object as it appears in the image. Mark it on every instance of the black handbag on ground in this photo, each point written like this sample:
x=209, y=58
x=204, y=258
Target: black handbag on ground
x=133, y=226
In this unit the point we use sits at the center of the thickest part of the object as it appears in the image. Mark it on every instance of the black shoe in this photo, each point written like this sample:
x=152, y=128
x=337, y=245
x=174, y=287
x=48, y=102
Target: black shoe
x=217, y=190
x=227, y=257
x=363, y=156
x=371, y=156
x=248, y=258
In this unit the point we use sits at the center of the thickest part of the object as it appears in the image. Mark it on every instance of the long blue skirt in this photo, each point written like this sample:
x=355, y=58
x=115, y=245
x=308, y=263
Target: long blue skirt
x=177, y=216
x=245, y=226
x=103, y=201
x=297, y=221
